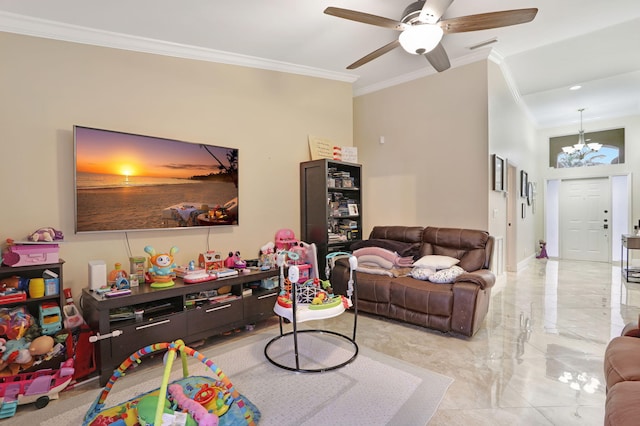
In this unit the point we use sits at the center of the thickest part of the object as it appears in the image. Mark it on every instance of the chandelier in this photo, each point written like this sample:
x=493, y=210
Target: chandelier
x=581, y=149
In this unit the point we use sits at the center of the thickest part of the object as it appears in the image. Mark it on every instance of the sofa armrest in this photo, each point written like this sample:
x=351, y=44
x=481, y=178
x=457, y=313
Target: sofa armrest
x=482, y=277
x=632, y=329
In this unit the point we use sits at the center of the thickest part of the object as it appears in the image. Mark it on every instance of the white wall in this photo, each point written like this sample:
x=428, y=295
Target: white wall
x=48, y=86
x=433, y=168
x=512, y=136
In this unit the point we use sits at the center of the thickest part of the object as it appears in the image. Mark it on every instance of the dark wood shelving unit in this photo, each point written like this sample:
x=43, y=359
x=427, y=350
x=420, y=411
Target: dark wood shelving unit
x=324, y=185
x=35, y=271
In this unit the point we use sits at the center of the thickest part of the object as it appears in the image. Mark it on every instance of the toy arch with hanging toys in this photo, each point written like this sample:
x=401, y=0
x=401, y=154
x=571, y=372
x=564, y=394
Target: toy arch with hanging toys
x=293, y=304
x=208, y=401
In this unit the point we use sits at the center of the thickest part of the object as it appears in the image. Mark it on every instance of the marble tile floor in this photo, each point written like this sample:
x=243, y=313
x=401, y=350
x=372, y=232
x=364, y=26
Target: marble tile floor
x=537, y=359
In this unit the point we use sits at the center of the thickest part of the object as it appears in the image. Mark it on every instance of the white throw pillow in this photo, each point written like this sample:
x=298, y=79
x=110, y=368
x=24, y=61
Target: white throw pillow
x=436, y=261
x=422, y=273
x=446, y=276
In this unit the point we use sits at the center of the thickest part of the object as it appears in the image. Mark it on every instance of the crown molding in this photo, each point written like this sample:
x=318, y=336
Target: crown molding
x=25, y=25
x=496, y=57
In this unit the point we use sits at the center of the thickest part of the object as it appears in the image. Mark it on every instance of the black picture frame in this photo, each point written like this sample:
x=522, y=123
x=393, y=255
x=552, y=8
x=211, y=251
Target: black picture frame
x=499, y=173
x=524, y=183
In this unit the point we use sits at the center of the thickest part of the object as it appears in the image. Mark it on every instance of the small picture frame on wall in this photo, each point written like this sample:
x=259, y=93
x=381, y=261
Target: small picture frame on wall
x=524, y=183
x=499, y=167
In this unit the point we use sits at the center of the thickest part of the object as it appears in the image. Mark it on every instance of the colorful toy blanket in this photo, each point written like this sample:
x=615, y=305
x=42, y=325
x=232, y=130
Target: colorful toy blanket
x=201, y=400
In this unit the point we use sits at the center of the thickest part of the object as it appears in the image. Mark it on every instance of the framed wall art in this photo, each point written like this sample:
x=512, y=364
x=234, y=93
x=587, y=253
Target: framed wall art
x=499, y=169
x=524, y=183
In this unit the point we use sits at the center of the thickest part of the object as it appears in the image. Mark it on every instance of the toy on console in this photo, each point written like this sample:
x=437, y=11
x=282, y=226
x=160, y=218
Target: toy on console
x=161, y=269
x=284, y=239
x=234, y=261
x=211, y=260
x=46, y=234
x=267, y=256
x=118, y=278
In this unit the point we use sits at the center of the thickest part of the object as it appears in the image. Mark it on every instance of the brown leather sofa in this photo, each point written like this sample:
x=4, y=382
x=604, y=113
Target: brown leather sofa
x=459, y=307
x=622, y=376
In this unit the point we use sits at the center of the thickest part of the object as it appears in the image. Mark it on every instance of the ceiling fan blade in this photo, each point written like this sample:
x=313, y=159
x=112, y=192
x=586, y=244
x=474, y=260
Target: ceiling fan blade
x=366, y=18
x=433, y=10
x=485, y=21
x=438, y=58
x=375, y=54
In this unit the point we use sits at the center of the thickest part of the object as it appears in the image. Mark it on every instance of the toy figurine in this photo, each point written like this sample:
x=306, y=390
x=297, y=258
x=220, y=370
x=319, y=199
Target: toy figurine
x=234, y=261
x=162, y=265
x=267, y=256
x=543, y=251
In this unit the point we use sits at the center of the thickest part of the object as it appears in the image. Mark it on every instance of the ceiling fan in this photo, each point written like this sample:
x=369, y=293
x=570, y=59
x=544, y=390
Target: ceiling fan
x=421, y=28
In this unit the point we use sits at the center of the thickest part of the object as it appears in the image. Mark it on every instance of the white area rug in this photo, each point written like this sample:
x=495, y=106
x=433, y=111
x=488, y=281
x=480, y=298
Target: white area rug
x=374, y=389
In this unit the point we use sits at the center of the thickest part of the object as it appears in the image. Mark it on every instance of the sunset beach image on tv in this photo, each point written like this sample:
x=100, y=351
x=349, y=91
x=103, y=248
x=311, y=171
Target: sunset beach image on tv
x=126, y=182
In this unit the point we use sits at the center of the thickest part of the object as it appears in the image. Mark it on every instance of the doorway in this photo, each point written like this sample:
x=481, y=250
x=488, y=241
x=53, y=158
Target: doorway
x=585, y=216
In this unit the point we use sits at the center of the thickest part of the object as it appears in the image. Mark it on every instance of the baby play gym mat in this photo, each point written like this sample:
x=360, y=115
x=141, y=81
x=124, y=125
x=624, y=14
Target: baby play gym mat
x=198, y=400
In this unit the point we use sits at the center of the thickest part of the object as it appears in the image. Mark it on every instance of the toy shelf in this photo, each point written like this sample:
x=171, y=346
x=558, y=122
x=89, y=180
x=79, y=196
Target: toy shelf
x=33, y=271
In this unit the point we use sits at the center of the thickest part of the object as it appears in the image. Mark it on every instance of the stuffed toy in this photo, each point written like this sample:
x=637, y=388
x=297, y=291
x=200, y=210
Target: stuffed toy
x=14, y=351
x=46, y=234
x=9, y=282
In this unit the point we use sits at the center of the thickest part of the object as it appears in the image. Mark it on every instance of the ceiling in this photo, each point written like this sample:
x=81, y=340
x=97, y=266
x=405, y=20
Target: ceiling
x=593, y=43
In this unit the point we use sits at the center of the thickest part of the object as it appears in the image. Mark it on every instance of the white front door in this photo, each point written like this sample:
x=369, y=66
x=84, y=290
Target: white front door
x=585, y=214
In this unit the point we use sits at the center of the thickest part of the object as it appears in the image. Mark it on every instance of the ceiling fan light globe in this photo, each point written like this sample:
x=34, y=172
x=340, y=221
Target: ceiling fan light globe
x=420, y=39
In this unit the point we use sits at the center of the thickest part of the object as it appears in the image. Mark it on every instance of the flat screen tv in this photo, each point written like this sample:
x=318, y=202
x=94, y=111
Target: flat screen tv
x=128, y=182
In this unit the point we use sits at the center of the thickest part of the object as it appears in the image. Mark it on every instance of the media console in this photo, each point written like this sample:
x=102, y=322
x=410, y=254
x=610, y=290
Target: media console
x=185, y=311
